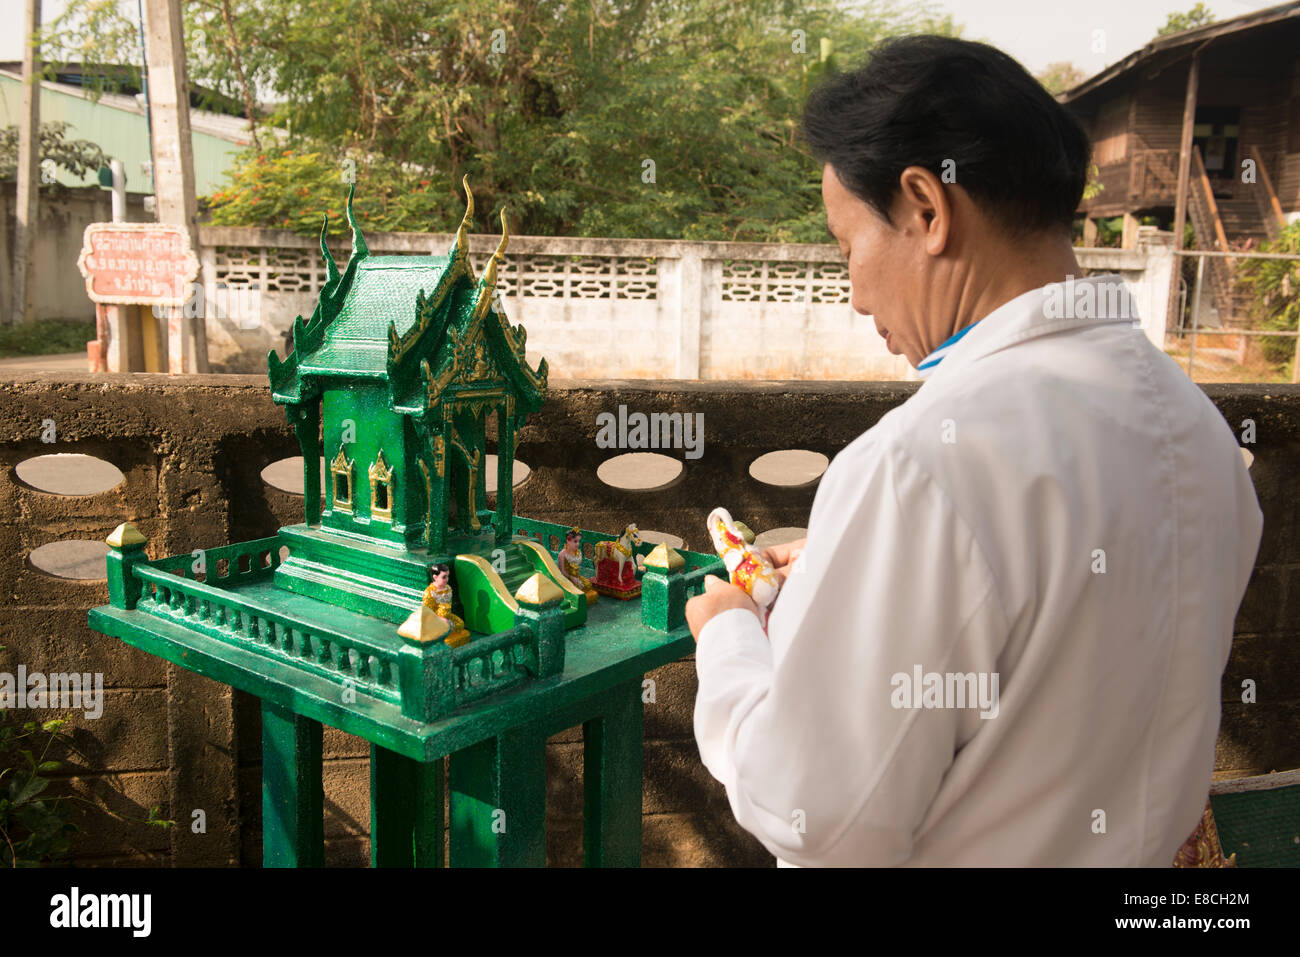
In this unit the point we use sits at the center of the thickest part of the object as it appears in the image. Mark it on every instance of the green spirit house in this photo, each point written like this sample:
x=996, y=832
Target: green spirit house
x=405, y=359
x=394, y=381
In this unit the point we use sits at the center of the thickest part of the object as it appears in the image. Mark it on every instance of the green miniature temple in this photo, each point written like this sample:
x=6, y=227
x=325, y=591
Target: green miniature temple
x=395, y=381
x=394, y=378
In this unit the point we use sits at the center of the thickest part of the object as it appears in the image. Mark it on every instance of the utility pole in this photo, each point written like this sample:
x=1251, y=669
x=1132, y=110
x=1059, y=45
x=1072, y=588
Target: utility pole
x=29, y=168
x=173, y=164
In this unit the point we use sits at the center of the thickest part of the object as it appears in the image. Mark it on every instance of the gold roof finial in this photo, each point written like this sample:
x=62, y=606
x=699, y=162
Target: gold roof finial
x=490, y=274
x=462, y=234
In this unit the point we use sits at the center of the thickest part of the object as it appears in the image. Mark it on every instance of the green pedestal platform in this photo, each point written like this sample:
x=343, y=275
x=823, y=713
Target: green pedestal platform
x=489, y=704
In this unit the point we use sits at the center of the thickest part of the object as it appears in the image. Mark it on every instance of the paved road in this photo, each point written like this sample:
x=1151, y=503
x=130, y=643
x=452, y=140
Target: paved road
x=62, y=362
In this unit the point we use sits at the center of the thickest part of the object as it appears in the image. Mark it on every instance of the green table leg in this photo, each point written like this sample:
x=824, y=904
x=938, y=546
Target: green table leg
x=498, y=802
x=611, y=780
x=405, y=810
x=293, y=795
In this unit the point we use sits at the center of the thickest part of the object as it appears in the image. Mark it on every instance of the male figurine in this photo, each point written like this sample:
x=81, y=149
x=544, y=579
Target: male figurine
x=569, y=558
x=438, y=597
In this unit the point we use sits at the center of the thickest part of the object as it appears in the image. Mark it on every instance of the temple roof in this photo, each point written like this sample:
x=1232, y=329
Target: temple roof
x=383, y=291
x=421, y=323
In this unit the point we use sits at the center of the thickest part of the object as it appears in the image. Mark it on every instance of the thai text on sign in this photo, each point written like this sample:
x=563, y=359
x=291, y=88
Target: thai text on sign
x=145, y=263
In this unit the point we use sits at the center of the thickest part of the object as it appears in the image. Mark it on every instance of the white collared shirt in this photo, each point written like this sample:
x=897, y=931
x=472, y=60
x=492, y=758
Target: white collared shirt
x=1058, y=507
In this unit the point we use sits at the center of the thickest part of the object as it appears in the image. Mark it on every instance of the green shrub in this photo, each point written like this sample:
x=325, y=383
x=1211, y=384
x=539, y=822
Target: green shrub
x=1274, y=285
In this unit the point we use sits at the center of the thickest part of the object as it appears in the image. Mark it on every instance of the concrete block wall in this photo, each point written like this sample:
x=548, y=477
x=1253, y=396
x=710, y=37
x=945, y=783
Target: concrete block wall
x=192, y=450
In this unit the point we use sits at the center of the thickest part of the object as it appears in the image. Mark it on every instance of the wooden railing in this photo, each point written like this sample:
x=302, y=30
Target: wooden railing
x=1153, y=176
x=1204, y=214
x=1270, y=210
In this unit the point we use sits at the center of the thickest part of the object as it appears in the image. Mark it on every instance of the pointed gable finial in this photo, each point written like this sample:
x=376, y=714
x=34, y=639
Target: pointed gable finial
x=331, y=267
x=499, y=255
x=462, y=234
x=358, y=241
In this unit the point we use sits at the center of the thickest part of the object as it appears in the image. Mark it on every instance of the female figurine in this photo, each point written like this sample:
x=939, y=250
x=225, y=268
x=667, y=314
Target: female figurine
x=746, y=566
x=569, y=558
x=438, y=598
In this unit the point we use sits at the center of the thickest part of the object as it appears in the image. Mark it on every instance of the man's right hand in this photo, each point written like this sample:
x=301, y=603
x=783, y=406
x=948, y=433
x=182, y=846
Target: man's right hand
x=782, y=557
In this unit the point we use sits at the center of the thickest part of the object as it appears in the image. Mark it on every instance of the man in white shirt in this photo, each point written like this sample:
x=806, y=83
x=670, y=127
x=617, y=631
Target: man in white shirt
x=1003, y=639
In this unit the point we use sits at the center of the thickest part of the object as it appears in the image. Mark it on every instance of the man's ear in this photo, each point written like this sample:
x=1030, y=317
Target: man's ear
x=923, y=203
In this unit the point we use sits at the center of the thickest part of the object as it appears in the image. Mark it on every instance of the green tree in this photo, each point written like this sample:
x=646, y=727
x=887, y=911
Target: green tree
x=1274, y=288
x=1198, y=16
x=1060, y=76
x=77, y=157
x=659, y=118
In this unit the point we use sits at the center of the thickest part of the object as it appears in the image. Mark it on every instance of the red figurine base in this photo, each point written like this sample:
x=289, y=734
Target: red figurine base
x=608, y=583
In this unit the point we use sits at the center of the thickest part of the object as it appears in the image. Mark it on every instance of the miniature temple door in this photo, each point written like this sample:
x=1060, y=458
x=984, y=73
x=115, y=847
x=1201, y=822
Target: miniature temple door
x=437, y=484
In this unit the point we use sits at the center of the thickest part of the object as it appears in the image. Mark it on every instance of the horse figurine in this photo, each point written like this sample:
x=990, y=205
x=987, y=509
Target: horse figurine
x=617, y=553
x=746, y=566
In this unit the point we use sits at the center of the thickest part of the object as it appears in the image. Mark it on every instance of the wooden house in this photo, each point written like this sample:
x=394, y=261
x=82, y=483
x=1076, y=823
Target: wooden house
x=1200, y=126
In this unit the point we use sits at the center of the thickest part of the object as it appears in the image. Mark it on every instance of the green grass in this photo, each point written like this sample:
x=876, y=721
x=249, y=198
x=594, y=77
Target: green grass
x=45, y=337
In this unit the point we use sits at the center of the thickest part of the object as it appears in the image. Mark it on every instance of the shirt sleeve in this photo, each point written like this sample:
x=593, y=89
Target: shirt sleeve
x=811, y=727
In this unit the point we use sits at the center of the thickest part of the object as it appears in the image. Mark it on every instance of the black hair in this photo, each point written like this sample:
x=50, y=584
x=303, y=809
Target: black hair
x=438, y=569
x=922, y=100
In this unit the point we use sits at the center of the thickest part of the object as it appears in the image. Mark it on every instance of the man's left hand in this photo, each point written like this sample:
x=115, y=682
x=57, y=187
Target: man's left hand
x=718, y=596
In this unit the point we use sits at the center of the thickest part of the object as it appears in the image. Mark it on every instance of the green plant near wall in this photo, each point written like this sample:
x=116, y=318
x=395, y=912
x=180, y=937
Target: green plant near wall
x=1274, y=287
x=34, y=828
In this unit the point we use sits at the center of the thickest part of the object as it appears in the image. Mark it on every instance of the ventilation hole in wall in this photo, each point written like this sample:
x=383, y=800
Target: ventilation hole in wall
x=1248, y=457
x=76, y=558
x=665, y=538
x=555, y=543
x=287, y=475
x=223, y=567
x=640, y=471
x=789, y=468
x=69, y=473
x=778, y=536
x=521, y=472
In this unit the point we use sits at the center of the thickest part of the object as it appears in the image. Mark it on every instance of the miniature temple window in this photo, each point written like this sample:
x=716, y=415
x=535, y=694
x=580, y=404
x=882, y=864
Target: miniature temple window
x=341, y=474
x=381, y=489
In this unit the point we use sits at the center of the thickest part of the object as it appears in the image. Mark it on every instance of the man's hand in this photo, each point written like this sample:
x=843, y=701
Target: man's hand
x=784, y=556
x=718, y=596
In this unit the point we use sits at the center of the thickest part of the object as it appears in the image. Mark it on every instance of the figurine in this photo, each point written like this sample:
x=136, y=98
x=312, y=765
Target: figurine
x=616, y=565
x=746, y=566
x=569, y=558
x=437, y=597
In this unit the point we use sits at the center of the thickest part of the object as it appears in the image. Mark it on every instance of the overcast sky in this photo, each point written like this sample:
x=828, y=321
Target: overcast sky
x=1035, y=32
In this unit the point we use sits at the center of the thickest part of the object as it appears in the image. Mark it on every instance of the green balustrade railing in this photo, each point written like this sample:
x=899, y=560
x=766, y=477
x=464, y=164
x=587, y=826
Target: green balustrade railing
x=257, y=625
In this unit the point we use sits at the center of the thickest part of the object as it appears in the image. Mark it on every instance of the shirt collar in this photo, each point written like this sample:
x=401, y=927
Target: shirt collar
x=1039, y=312
x=934, y=358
